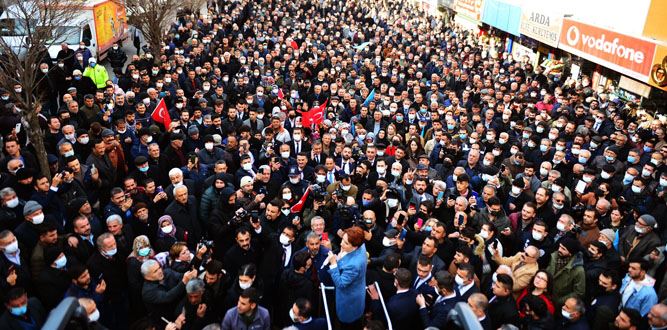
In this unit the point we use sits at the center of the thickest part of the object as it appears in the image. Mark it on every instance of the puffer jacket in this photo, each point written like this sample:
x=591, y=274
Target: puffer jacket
x=569, y=281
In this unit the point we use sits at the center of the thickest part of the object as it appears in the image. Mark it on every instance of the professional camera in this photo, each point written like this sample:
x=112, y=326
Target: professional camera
x=318, y=193
x=240, y=216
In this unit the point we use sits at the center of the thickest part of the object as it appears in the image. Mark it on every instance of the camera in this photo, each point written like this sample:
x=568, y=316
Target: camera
x=239, y=217
x=207, y=243
x=318, y=193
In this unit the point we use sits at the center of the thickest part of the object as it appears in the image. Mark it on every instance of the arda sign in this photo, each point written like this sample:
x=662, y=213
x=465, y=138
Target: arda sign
x=629, y=55
x=540, y=19
x=541, y=26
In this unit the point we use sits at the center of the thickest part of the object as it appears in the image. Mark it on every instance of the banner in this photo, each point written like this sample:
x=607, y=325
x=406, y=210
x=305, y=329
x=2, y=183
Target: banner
x=502, y=15
x=541, y=25
x=470, y=8
x=625, y=54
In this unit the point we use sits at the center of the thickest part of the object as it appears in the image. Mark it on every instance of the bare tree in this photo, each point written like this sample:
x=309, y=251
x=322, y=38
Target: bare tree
x=152, y=17
x=33, y=28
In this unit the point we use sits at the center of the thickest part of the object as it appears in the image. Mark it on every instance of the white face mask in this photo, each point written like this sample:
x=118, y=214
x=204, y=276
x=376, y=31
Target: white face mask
x=12, y=247
x=537, y=236
x=286, y=212
x=247, y=166
x=387, y=242
x=94, y=316
x=560, y=226
x=484, y=234
x=287, y=196
x=345, y=188
x=392, y=202
x=245, y=285
x=208, y=146
x=380, y=170
x=167, y=229
x=38, y=219
x=516, y=190
x=566, y=314
x=605, y=175
x=459, y=280
x=284, y=154
x=284, y=240
x=297, y=137
x=320, y=178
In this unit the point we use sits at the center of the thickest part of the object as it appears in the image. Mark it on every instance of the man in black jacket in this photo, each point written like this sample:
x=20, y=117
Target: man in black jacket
x=21, y=311
x=163, y=289
x=401, y=307
x=183, y=210
x=294, y=284
x=502, y=307
x=106, y=265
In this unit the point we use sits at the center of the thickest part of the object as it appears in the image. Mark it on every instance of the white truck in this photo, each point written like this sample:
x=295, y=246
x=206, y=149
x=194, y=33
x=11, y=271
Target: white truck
x=99, y=24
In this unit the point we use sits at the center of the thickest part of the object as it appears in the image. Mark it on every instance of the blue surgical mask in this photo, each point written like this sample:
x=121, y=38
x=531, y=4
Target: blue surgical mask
x=543, y=148
x=144, y=251
x=428, y=229
x=111, y=252
x=631, y=159
x=611, y=159
x=582, y=160
x=19, y=311
x=647, y=149
x=365, y=203
x=144, y=169
x=450, y=127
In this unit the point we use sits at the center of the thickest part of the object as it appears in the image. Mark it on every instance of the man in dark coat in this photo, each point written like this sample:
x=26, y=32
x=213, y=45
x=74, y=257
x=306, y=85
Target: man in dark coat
x=183, y=210
x=21, y=312
x=502, y=307
x=401, y=307
x=163, y=289
x=293, y=284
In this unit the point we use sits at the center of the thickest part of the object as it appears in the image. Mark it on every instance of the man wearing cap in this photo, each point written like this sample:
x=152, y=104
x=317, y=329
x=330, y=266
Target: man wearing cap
x=296, y=184
x=639, y=240
x=27, y=232
x=174, y=155
x=193, y=142
x=97, y=73
x=567, y=267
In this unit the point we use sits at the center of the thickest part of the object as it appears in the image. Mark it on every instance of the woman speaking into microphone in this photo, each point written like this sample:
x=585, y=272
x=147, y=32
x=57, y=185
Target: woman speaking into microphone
x=348, y=272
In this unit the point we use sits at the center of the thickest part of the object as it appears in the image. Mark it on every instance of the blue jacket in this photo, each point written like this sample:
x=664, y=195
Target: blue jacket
x=349, y=278
x=641, y=300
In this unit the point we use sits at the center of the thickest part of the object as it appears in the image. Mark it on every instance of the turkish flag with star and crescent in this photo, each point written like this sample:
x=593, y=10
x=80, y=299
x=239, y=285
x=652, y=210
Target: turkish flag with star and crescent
x=314, y=116
x=161, y=114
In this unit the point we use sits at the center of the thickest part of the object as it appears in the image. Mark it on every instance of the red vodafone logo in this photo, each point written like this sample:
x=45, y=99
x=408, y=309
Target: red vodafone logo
x=600, y=45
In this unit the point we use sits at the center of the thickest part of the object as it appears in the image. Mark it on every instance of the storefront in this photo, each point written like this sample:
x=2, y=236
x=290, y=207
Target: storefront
x=611, y=58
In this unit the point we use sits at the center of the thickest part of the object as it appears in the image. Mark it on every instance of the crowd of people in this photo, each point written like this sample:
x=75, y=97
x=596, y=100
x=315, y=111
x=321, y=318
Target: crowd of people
x=441, y=168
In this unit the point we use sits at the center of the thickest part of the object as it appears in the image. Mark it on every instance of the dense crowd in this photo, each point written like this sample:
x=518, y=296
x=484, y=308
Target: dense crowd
x=435, y=165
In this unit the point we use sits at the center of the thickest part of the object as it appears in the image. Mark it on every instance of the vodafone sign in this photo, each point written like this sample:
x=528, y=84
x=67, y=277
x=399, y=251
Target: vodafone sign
x=628, y=55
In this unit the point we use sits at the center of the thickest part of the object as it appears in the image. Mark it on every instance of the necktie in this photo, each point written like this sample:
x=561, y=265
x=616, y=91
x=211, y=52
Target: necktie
x=331, y=177
x=298, y=147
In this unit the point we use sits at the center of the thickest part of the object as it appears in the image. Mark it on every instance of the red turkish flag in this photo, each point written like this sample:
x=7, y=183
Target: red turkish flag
x=294, y=45
x=280, y=93
x=161, y=114
x=314, y=116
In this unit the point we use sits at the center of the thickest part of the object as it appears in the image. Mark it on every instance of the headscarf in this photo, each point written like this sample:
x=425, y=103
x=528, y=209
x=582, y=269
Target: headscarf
x=160, y=221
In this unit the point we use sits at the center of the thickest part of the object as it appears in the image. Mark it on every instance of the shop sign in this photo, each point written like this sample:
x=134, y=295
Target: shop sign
x=470, y=8
x=625, y=54
x=541, y=26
